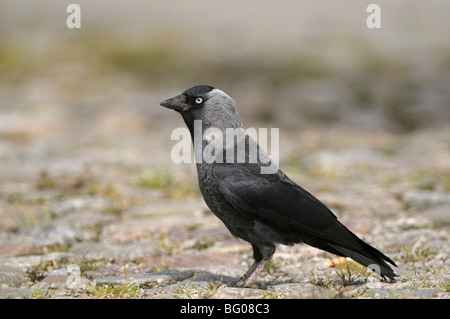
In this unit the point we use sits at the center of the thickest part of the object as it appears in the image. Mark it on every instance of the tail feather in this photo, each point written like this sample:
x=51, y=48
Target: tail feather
x=338, y=239
x=370, y=258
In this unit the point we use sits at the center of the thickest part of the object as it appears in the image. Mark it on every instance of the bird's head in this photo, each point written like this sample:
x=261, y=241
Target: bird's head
x=212, y=106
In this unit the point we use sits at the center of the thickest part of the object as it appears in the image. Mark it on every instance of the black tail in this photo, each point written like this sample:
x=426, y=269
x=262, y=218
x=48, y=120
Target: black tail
x=341, y=241
x=369, y=257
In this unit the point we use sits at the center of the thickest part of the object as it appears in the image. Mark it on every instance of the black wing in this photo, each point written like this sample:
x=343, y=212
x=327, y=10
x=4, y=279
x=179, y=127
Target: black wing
x=276, y=201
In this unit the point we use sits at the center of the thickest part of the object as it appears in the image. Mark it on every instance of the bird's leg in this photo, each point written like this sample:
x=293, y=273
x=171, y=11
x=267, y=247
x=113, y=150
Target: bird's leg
x=262, y=256
x=252, y=273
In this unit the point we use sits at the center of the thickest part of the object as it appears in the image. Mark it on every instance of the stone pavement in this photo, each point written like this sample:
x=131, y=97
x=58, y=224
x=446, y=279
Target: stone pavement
x=111, y=219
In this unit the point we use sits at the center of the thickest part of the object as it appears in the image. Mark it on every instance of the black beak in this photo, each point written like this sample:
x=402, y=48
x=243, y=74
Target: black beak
x=177, y=103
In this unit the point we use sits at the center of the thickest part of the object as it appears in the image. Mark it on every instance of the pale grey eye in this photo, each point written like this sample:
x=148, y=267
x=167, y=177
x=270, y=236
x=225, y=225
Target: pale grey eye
x=199, y=100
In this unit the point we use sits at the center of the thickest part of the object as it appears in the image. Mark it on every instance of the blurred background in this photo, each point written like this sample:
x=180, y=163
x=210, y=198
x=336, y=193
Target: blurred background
x=86, y=175
x=80, y=110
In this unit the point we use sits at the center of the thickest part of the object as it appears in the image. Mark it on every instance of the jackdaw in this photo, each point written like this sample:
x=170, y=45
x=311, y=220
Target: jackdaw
x=264, y=209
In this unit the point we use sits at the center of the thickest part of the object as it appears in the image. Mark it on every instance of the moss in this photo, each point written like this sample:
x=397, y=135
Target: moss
x=45, y=181
x=162, y=178
x=159, y=177
x=433, y=180
x=123, y=291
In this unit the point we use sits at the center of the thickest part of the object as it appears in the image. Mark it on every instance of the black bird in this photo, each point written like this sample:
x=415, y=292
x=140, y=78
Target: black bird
x=264, y=209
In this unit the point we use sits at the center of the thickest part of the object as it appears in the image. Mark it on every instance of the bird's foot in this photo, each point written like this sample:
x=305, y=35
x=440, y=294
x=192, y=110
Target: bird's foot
x=246, y=282
x=241, y=282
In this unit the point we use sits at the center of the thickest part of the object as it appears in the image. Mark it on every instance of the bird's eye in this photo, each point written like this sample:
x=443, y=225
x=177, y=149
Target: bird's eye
x=199, y=100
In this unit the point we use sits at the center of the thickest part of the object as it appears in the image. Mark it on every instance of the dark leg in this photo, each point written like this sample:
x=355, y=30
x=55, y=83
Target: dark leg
x=262, y=256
